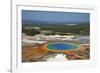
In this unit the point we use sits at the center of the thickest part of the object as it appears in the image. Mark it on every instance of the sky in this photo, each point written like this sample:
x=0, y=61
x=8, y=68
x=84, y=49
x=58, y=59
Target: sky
x=52, y=17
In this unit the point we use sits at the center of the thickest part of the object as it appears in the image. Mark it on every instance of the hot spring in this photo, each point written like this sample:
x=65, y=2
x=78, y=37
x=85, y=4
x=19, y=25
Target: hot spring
x=61, y=46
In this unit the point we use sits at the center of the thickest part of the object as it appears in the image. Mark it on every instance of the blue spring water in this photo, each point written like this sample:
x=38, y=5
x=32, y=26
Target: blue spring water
x=61, y=46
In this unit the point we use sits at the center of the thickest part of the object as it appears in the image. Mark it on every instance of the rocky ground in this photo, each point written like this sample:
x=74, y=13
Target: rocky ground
x=33, y=53
x=81, y=54
x=39, y=53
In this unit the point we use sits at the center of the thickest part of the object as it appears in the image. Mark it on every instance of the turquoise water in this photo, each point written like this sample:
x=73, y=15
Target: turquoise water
x=62, y=46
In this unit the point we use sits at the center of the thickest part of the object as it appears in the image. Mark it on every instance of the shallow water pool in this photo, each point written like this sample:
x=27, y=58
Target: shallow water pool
x=61, y=46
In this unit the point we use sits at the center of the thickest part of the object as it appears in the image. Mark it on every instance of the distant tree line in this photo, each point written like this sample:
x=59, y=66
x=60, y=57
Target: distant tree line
x=30, y=32
x=83, y=29
x=80, y=29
